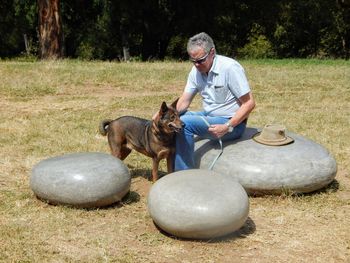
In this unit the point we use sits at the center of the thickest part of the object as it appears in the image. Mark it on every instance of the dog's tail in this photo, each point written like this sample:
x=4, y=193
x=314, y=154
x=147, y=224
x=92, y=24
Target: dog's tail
x=103, y=128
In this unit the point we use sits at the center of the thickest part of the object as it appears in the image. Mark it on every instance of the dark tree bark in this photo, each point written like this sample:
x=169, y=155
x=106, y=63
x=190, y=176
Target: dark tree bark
x=125, y=43
x=344, y=3
x=51, y=37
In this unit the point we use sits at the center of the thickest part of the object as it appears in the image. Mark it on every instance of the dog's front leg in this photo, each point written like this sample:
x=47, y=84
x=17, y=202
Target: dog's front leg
x=170, y=163
x=155, y=169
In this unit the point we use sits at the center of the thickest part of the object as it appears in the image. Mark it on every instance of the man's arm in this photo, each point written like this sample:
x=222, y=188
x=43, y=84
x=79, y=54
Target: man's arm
x=184, y=102
x=247, y=105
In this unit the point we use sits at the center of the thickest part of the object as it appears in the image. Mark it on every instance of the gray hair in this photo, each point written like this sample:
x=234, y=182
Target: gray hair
x=202, y=40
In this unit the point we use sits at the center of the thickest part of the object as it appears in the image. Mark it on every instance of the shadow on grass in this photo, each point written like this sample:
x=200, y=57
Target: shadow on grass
x=247, y=229
x=145, y=173
x=332, y=187
x=130, y=198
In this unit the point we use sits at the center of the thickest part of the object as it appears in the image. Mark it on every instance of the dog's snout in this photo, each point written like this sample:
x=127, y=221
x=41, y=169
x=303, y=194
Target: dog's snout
x=176, y=127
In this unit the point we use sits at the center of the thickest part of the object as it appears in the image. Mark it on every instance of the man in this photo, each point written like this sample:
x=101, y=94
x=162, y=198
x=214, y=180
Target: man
x=226, y=97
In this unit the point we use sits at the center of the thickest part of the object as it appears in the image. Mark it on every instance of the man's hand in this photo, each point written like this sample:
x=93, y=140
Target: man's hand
x=155, y=116
x=218, y=130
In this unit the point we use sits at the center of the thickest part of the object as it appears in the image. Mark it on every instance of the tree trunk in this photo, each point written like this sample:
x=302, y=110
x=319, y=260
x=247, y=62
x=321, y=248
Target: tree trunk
x=344, y=3
x=50, y=29
x=125, y=43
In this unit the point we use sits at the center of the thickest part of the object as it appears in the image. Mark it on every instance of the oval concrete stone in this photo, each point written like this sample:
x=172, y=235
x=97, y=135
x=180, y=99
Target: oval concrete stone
x=300, y=167
x=81, y=179
x=198, y=204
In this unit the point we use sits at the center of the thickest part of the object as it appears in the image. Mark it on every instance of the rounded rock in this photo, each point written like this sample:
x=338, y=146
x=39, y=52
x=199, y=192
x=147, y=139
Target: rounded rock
x=81, y=179
x=299, y=167
x=198, y=204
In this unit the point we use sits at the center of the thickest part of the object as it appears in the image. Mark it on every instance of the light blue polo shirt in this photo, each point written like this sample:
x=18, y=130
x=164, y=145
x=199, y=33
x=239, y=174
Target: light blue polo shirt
x=220, y=89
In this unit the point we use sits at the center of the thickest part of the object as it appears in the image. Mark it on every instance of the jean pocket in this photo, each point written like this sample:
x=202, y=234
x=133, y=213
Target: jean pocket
x=220, y=94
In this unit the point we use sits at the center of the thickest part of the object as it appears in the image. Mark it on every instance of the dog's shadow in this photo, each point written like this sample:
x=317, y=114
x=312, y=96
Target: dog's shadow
x=144, y=173
x=247, y=229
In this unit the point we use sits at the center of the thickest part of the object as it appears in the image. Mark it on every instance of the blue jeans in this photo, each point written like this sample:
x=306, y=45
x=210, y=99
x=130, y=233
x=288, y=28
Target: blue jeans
x=195, y=125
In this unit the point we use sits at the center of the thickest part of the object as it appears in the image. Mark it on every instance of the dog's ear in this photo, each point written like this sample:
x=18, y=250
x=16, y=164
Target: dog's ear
x=173, y=105
x=163, y=108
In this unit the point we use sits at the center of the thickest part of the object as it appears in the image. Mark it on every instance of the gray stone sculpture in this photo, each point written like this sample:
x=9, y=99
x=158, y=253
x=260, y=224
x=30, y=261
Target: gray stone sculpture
x=198, y=204
x=81, y=180
x=299, y=167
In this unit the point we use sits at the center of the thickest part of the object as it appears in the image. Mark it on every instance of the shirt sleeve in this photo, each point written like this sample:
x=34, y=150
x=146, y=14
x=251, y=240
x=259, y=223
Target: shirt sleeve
x=237, y=81
x=191, y=85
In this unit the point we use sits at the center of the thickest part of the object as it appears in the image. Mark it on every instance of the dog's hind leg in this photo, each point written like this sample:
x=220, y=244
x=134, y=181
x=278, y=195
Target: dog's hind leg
x=124, y=152
x=121, y=152
x=118, y=147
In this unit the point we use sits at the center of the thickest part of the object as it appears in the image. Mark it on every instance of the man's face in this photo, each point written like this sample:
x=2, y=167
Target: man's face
x=202, y=60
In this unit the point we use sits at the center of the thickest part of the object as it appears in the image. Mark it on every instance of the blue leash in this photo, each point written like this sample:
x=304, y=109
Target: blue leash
x=220, y=142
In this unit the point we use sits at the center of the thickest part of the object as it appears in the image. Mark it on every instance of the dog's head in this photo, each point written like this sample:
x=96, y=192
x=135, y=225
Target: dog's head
x=168, y=118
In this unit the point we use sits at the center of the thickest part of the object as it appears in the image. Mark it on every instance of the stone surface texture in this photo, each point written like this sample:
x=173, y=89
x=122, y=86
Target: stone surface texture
x=81, y=179
x=198, y=204
x=300, y=167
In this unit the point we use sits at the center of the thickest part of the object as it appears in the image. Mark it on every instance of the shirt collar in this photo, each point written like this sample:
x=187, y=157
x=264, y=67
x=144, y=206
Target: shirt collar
x=214, y=67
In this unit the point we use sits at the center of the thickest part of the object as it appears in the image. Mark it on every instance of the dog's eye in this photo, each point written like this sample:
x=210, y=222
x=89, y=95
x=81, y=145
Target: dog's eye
x=172, y=117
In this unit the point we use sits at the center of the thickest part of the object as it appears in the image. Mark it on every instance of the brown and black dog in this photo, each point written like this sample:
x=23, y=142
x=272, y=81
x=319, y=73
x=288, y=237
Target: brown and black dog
x=153, y=138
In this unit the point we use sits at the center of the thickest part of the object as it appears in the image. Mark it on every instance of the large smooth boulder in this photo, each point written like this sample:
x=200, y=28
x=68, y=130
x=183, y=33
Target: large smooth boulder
x=81, y=179
x=299, y=167
x=198, y=204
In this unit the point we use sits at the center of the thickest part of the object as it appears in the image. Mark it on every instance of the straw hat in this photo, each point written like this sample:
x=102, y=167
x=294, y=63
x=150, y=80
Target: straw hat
x=273, y=134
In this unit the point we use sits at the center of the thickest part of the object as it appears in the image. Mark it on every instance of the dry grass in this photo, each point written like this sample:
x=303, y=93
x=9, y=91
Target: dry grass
x=53, y=108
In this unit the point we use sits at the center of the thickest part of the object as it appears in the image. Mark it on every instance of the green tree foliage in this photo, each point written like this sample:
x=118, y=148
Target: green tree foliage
x=158, y=29
x=17, y=18
x=258, y=45
x=88, y=30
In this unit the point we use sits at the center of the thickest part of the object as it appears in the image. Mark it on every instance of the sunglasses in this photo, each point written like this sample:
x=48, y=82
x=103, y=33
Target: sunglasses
x=200, y=60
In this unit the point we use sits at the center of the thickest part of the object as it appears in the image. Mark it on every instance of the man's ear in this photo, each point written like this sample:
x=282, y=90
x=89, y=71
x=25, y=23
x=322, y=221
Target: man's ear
x=163, y=109
x=173, y=105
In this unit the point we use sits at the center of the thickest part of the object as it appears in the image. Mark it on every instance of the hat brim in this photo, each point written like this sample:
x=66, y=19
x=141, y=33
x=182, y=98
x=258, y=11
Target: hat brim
x=256, y=137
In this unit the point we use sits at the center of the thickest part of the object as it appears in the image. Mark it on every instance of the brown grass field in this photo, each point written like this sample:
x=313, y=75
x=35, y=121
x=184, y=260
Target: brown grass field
x=54, y=108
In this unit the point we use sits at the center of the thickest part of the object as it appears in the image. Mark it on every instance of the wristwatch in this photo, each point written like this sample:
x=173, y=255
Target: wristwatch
x=230, y=128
